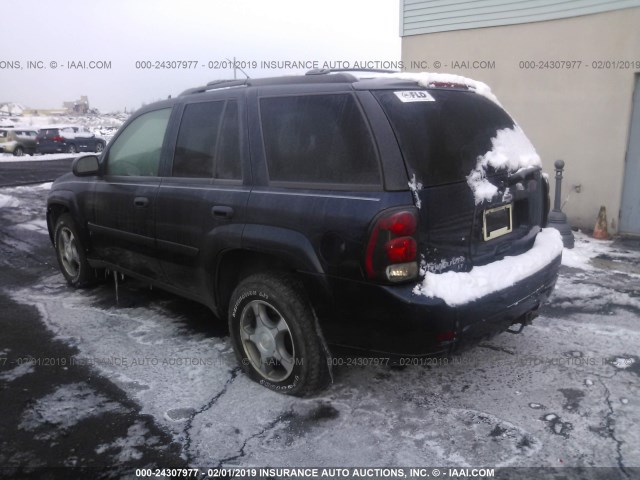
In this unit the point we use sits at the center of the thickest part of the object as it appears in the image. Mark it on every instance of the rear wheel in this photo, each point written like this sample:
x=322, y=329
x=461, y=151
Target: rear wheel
x=18, y=152
x=274, y=335
x=71, y=148
x=71, y=253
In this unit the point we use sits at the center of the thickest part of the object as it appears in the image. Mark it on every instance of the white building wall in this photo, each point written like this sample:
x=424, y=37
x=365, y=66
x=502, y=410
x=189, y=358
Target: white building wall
x=578, y=113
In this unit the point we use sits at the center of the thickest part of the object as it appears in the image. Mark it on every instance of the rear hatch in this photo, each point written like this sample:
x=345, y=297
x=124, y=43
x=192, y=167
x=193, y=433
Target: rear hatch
x=475, y=176
x=49, y=138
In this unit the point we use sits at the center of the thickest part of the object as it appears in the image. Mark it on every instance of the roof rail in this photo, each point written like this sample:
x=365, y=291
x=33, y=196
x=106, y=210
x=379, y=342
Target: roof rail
x=214, y=85
x=324, y=71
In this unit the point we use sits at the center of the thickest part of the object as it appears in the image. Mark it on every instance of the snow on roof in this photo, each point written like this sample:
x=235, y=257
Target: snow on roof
x=511, y=150
x=458, y=288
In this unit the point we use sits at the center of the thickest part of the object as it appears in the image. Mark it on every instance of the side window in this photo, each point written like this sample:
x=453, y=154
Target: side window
x=318, y=139
x=197, y=140
x=209, y=141
x=137, y=150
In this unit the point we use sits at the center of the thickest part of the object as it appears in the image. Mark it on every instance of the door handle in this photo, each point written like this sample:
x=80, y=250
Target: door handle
x=141, y=202
x=222, y=212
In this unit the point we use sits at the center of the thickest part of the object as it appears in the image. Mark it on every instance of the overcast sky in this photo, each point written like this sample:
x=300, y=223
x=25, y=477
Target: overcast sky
x=125, y=31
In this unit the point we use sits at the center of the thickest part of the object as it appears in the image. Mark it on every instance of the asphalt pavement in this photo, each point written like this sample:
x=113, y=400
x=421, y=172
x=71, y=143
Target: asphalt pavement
x=150, y=380
x=13, y=173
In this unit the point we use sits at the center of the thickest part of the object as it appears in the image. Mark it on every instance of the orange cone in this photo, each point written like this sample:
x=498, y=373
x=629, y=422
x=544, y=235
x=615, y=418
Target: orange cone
x=600, y=230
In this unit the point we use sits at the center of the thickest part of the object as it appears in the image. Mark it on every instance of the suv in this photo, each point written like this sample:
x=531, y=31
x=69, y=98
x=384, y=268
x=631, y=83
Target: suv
x=69, y=139
x=17, y=141
x=398, y=214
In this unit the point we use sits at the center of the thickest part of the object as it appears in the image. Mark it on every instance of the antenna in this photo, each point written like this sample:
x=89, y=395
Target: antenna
x=235, y=67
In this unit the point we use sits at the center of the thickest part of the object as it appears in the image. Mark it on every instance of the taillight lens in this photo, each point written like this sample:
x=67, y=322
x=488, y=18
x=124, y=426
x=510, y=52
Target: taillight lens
x=392, y=250
x=58, y=138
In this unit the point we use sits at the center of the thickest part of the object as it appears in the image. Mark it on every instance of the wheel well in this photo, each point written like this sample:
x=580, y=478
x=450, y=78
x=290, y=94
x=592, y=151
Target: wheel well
x=53, y=213
x=237, y=265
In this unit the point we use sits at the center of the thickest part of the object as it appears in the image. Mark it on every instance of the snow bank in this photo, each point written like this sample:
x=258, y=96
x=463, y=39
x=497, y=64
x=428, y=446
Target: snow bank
x=7, y=157
x=511, y=150
x=428, y=79
x=8, y=201
x=458, y=288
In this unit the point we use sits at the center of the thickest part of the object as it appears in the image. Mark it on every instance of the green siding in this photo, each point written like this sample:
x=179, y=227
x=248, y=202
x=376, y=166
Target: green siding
x=429, y=16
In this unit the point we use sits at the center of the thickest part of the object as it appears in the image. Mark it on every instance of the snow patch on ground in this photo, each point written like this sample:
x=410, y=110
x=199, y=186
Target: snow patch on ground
x=37, y=225
x=128, y=448
x=7, y=157
x=510, y=150
x=458, y=288
x=570, y=294
x=64, y=408
x=17, y=372
x=7, y=201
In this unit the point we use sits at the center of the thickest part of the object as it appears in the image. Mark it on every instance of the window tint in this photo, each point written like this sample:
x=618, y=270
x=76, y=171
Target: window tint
x=208, y=141
x=441, y=140
x=228, y=162
x=318, y=139
x=137, y=150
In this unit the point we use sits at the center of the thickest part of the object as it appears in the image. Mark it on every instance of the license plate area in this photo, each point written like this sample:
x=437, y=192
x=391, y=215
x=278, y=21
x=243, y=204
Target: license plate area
x=497, y=222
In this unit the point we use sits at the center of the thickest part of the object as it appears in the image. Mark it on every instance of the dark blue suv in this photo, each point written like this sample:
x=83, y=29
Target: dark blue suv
x=395, y=214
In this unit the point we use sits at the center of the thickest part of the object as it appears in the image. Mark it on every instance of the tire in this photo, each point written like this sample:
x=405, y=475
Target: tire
x=273, y=331
x=71, y=148
x=18, y=152
x=71, y=253
x=99, y=147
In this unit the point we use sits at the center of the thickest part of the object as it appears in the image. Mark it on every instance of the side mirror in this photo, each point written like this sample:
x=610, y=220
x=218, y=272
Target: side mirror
x=85, y=166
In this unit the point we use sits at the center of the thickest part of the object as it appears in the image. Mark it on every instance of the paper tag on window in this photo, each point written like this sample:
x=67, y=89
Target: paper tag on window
x=414, y=96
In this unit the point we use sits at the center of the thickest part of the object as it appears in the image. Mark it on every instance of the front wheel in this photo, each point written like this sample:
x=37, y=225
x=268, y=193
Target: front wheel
x=275, y=337
x=99, y=147
x=71, y=253
x=18, y=152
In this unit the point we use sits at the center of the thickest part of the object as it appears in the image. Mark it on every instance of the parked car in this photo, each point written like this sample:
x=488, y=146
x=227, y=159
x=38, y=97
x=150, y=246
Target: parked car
x=17, y=141
x=69, y=139
x=321, y=213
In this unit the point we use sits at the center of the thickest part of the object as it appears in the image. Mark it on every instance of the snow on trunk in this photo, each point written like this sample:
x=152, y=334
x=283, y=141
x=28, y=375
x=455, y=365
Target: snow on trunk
x=510, y=150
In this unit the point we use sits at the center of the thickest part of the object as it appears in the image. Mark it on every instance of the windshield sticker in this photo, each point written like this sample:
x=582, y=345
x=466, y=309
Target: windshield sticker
x=414, y=96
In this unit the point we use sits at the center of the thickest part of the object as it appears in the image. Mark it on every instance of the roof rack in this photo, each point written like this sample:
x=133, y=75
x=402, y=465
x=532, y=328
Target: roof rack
x=325, y=71
x=214, y=85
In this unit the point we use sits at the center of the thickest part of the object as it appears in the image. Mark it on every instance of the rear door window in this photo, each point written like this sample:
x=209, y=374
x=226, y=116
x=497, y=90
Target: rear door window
x=318, y=139
x=208, y=143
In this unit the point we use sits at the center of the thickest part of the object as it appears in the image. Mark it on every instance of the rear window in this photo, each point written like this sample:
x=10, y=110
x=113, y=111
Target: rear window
x=442, y=139
x=318, y=139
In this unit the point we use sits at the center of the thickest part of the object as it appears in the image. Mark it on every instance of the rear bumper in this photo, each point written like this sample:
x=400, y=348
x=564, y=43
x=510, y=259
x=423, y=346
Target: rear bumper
x=394, y=321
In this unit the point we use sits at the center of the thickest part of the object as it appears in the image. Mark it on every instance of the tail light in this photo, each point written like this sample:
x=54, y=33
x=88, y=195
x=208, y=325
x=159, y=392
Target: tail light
x=392, y=249
x=58, y=138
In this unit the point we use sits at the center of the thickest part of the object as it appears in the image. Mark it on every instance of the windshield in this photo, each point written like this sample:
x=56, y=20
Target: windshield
x=441, y=139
